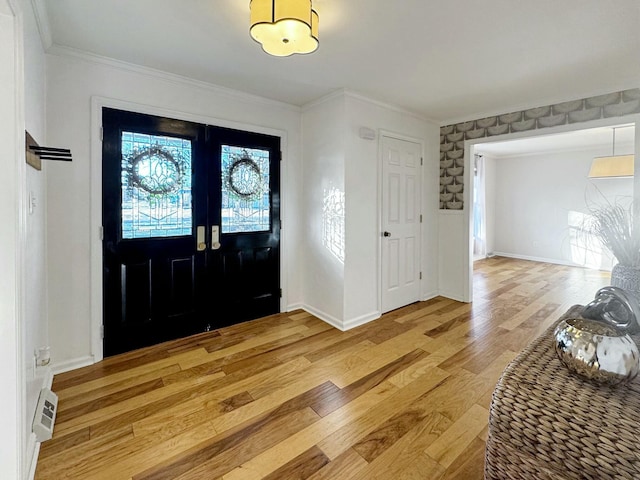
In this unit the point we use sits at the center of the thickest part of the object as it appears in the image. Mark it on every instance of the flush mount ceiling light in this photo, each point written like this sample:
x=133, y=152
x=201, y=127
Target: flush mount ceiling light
x=615, y=166
x=284, y=27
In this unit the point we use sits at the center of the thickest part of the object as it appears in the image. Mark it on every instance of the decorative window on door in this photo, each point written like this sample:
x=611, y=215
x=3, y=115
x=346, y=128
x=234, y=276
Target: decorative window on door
x=156, y=186
x=245, y=190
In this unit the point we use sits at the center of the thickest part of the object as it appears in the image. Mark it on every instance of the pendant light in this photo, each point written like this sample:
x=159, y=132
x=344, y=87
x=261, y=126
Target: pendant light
x=615, y=166
x=284, y=27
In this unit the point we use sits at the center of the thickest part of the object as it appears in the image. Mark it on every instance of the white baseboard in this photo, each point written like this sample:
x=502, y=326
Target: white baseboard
x=325, y=317
x=452, y=296
x=74, y=363
x=33, y=446
x=361, y=320
x=429, y=295
x=294, y=306
x=342, y=325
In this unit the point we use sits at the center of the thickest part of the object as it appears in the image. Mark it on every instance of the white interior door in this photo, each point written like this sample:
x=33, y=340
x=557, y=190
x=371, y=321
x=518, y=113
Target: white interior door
x=401, y=183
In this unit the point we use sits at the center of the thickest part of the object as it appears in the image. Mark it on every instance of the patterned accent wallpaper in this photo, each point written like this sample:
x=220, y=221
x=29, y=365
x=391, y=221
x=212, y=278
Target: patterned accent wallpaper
x=452, y=137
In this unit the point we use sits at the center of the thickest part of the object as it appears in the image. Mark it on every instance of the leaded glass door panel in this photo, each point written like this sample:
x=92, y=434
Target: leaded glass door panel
x=191, y=228
x=245, y=205
x=154, y=196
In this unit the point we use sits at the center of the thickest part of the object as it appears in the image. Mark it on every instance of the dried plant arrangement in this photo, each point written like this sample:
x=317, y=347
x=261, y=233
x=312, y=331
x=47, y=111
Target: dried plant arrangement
x=615, y=225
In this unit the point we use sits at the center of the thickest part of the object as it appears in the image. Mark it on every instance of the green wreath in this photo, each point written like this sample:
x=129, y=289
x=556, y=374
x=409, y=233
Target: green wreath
x=165, y=173
x=243, y=178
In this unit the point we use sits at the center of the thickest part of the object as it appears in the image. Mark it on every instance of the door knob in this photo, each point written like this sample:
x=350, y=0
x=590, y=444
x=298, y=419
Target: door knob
x=386, y=234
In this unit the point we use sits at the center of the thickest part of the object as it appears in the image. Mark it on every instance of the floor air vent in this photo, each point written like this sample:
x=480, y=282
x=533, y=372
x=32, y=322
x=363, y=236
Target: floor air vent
x=45, y=415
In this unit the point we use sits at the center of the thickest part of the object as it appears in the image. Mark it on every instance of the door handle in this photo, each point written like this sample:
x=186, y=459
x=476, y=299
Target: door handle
x=201, y=244
x=215, y=237
x=386, y=234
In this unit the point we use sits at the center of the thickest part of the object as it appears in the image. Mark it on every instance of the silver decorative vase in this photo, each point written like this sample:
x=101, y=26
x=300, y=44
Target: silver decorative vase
x=597, y=351
x=626, y=278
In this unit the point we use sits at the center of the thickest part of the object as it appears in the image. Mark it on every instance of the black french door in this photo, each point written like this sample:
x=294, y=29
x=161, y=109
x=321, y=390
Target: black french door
x=191, y=218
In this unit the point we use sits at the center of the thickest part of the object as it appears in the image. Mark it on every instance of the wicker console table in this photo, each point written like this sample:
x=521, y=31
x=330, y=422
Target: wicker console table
x=546, y=423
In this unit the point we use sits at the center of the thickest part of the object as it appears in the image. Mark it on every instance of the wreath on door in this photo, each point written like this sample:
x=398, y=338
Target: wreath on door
x=244, y=178
x=154, y=170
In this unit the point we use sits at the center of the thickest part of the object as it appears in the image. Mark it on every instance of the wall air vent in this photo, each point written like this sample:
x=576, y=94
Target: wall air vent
x=45, y=415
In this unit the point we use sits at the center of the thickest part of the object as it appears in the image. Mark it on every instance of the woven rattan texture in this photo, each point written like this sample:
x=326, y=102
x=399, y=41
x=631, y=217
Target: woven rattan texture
x=546, y=423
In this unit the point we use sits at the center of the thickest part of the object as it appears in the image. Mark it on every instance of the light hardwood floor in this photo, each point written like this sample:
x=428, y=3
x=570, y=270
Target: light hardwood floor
x=289, y=397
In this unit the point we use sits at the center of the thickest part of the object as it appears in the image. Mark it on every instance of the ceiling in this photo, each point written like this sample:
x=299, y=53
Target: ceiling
x=445, y=60
x=576, y=140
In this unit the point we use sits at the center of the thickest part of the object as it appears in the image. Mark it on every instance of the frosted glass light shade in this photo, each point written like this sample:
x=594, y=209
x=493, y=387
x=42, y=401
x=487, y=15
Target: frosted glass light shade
x=614, y=166
x=284, y=27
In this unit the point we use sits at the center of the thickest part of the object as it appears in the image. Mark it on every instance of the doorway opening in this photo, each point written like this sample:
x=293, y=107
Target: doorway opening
x=537, y=194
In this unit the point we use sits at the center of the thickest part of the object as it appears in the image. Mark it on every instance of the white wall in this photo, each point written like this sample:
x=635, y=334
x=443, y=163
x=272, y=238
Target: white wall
x=324, y=151
x=363, y=209
x=535, y=196
x=336, y=160
x=451, y=258
x=22, y=282
x=345, y=292
x=72, y=82
x=36, y=327
x=11, y=124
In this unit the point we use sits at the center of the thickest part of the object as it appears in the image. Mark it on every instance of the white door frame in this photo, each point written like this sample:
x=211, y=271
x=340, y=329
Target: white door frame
x=470, y=149
x=407, y=138
x=97, y=103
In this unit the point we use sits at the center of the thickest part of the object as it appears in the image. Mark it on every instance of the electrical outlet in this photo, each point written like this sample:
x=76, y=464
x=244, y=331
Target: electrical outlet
x=43, y=356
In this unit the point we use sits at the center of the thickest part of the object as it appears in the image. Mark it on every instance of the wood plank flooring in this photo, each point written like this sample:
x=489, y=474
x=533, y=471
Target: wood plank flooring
x=289, y=397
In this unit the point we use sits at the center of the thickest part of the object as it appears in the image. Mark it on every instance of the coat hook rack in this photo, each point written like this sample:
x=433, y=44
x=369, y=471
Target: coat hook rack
x=35, y=153
x=49, y=153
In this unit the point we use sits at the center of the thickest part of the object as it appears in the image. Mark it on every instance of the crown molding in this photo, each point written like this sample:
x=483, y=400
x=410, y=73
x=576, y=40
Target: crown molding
x=68, y=52
x=41, y=15
x=339, y=93
x=388, y=106
x=346, y=93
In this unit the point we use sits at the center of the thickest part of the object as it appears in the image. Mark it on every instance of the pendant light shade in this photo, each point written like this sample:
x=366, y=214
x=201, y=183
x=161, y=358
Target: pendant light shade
x=284, y=27
x=614, y=166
